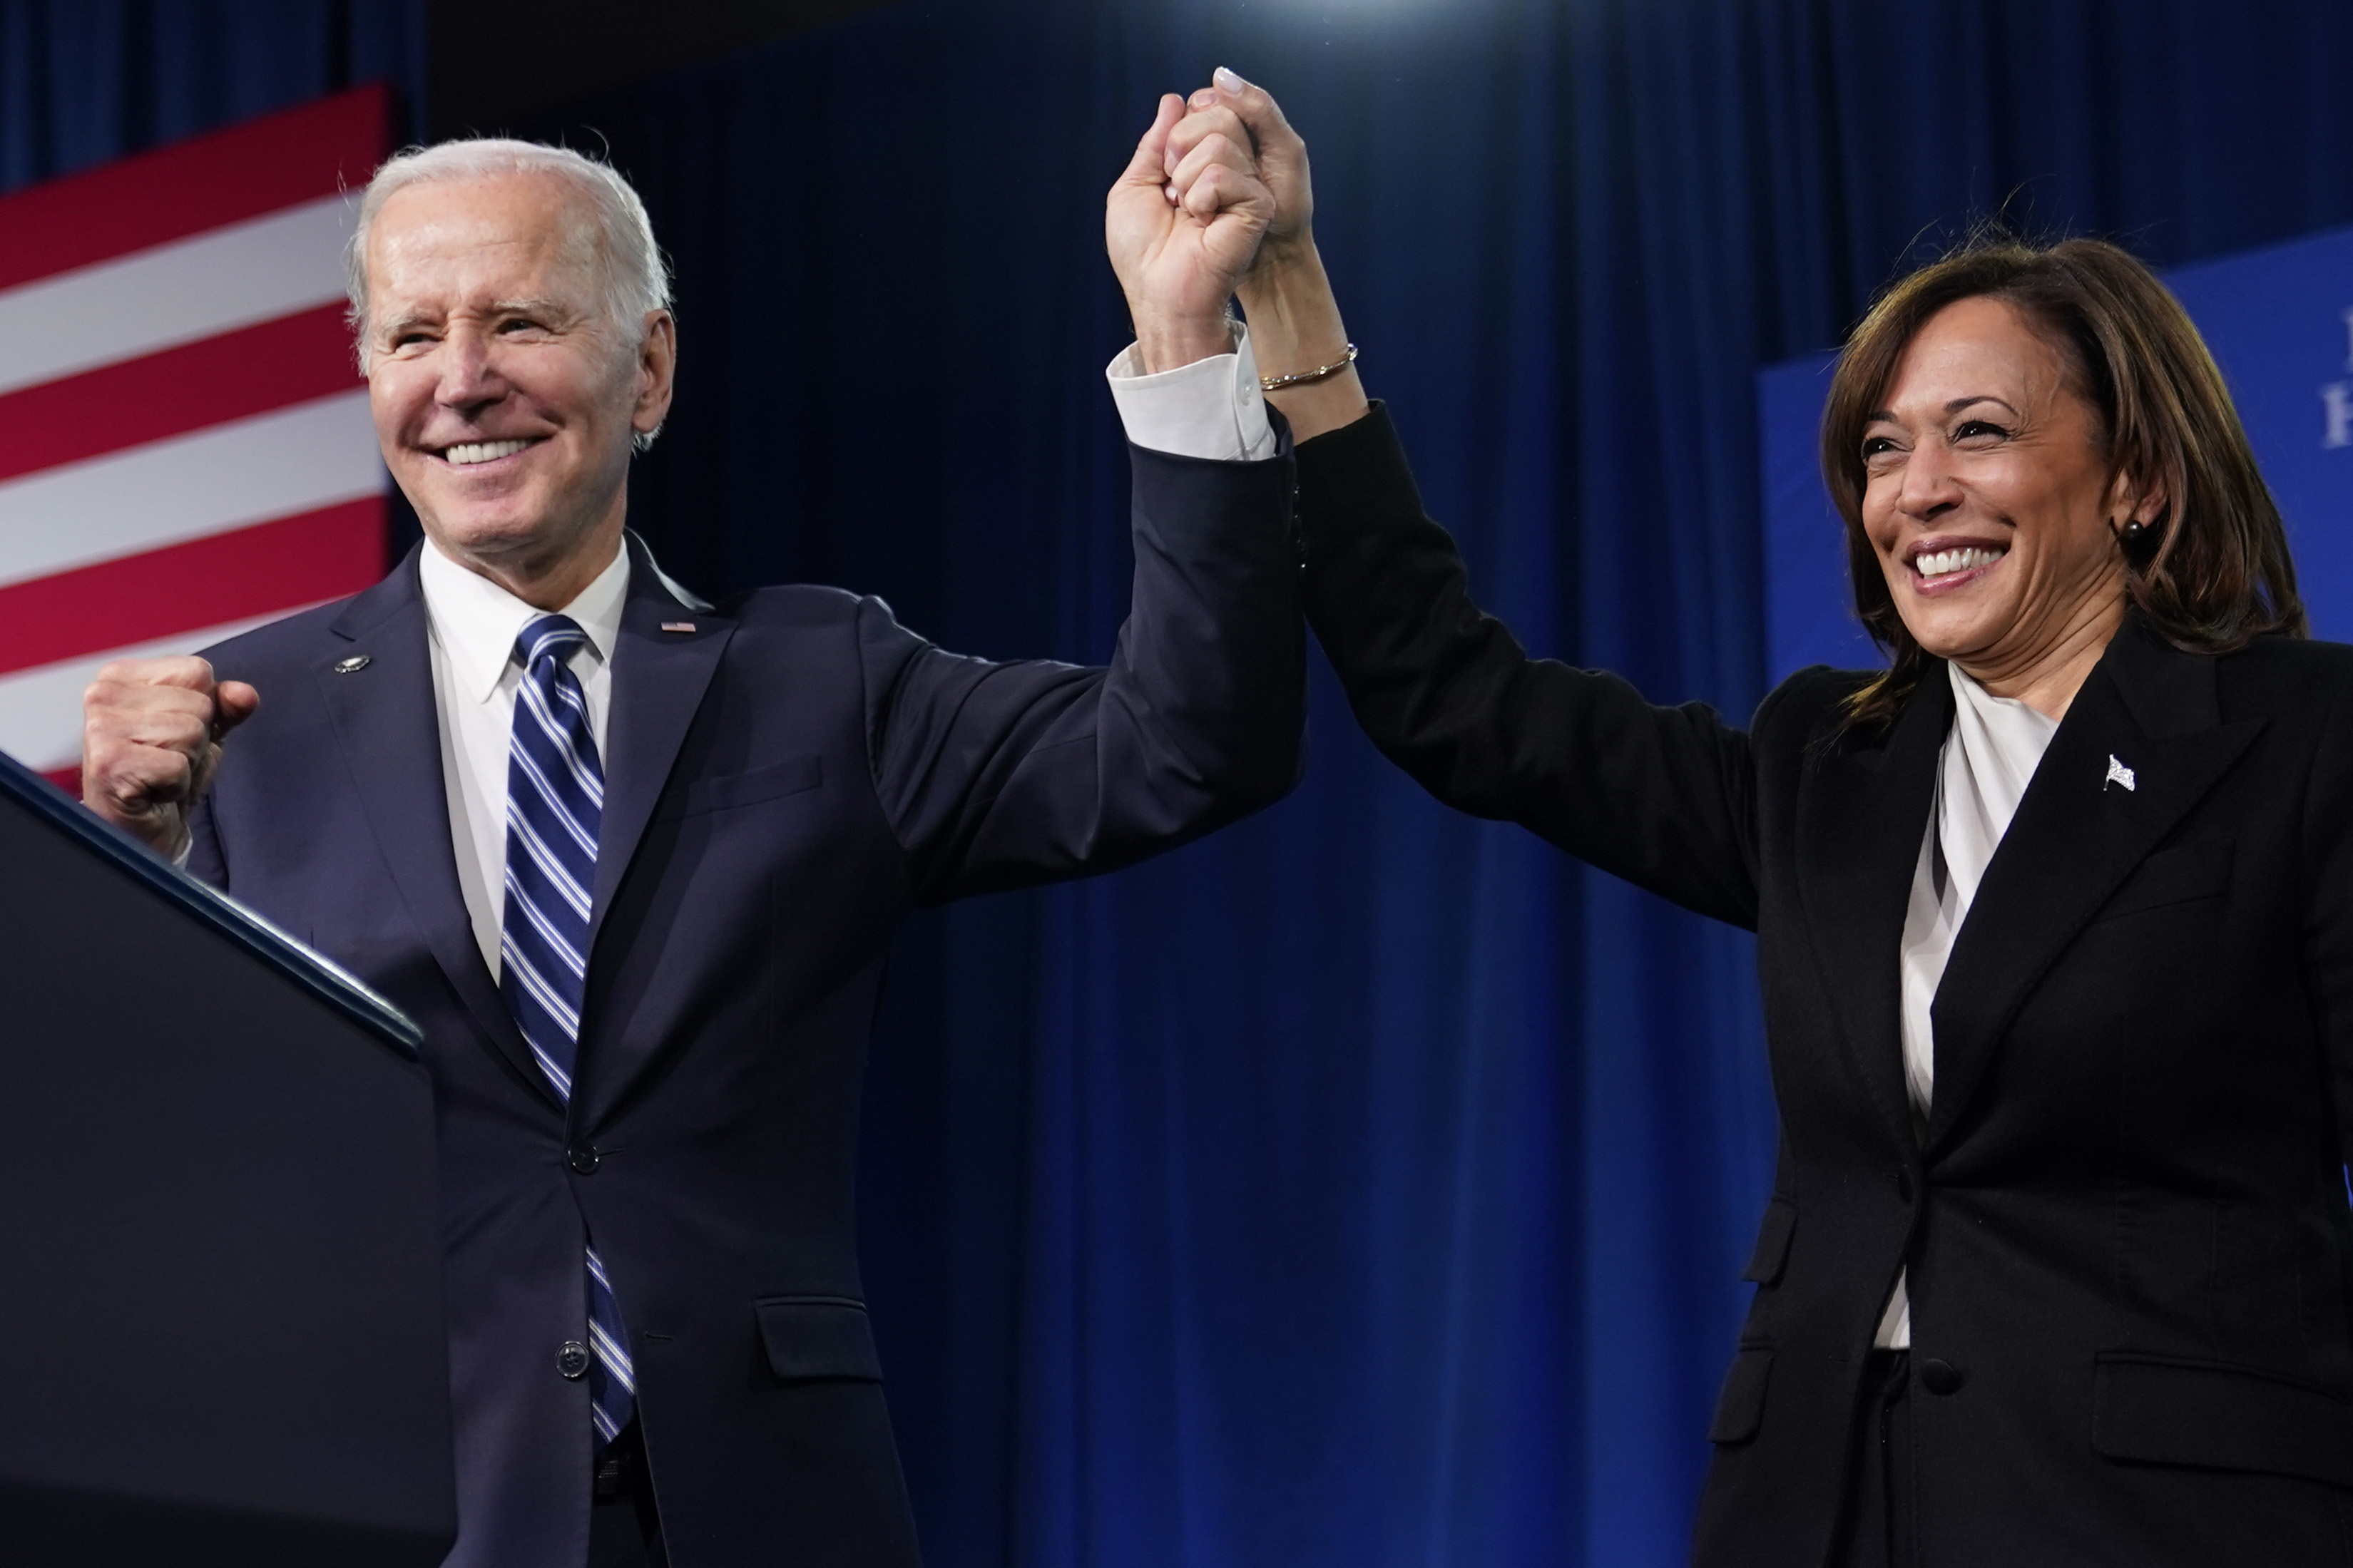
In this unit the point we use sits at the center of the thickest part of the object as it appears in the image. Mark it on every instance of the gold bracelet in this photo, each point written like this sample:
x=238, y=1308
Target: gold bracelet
x=1309, y=377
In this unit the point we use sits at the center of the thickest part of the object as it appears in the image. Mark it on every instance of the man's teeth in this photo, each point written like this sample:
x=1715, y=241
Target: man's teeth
x=483, y=451
x=1940, y=563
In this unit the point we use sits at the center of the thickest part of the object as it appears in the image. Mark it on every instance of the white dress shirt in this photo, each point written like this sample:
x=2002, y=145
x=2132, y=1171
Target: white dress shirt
x=1211, y=408
x=473, y=624
x=1989, y=759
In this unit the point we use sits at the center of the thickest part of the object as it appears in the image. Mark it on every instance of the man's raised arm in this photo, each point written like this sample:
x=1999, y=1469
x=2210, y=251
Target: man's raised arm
x=1001, y=775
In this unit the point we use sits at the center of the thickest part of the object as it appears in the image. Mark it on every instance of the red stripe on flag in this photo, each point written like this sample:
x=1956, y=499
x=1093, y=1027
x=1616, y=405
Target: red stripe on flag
x=246, y=571
x=201, y=184
x=67, y=779
x=291, y=360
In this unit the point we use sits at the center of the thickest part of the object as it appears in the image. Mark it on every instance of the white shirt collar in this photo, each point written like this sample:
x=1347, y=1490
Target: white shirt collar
x=477, y=622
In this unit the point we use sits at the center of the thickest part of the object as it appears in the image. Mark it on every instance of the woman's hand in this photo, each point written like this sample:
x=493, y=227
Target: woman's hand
x=1294, y=321
x=1246, y=117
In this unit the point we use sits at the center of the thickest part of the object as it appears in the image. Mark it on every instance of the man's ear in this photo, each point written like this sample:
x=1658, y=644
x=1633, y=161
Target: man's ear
x=657, y=371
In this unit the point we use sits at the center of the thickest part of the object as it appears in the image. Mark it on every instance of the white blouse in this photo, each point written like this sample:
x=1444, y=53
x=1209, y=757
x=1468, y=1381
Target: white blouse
x=1988, y=757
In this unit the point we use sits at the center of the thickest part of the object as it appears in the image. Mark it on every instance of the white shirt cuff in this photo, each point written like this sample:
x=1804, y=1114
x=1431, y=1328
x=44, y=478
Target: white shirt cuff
x=1211, y=408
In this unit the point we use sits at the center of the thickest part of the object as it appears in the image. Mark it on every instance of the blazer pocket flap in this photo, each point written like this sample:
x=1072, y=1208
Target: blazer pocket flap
x=2181, y=875
x=1740, y=1408
x=790, y=776
x=2220, y=1417
x=809, y=1337
x=1772, y=1242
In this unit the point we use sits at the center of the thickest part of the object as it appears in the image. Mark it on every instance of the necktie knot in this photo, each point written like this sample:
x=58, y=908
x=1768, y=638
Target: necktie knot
x=550, y=636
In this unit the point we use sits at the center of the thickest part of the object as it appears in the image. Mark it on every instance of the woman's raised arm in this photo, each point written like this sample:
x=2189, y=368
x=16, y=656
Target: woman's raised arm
x=1662, y=796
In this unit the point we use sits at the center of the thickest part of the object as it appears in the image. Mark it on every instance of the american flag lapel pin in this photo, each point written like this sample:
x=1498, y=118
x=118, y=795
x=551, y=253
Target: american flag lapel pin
x=2117, y=773
x=678, y=625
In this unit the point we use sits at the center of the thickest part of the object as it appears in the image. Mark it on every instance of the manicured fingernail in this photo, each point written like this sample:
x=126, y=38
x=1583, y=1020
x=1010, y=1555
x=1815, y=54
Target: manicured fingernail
x=1228, y=80
x=1203, y=99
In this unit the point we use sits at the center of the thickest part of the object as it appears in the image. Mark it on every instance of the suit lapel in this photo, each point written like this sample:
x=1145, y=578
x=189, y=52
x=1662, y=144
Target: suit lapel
x=387, y=722
x=2078, y=834
x=1862, y=817
x=658, y=679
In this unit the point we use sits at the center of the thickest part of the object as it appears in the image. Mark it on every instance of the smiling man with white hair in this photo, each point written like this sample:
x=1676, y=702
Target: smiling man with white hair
x=634, y=860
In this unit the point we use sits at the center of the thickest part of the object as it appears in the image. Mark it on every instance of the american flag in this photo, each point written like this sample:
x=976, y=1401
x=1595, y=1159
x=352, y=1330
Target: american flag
x=184, y=443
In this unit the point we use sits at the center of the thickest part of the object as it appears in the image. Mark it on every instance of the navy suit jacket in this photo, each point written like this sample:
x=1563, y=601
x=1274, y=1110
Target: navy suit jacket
x=782, y=782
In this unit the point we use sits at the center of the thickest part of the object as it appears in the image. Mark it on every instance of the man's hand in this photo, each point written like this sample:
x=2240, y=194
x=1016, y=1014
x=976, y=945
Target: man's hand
x=1179, y=252
x=1294, y=321
x=150, y=737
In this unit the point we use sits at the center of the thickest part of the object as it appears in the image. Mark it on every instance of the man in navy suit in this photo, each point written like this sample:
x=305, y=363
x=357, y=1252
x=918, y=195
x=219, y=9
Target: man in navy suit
x=634, y=862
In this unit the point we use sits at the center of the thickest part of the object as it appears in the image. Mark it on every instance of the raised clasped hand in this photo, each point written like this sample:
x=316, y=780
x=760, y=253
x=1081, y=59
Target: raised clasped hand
x=1296, y=325
x=1229, y=120
x=1180, y=249
x=151, y=731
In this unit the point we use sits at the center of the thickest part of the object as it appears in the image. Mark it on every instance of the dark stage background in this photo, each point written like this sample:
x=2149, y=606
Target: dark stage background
x=1365, y=1185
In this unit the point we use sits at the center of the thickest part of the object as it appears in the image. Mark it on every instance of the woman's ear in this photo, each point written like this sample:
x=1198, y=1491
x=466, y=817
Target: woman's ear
x=2133, y=506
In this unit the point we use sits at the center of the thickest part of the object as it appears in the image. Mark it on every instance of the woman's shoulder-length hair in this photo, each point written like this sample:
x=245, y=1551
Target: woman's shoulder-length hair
x=2212, y=572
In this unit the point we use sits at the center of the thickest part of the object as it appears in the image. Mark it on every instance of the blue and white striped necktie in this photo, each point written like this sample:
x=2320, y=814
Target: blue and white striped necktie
x=555, y=801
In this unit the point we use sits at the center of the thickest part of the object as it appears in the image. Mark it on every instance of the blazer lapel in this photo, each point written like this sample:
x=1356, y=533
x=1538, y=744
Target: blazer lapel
x=658, y=679
x=1862, y=817
x=2079, y=832
x=387, y=724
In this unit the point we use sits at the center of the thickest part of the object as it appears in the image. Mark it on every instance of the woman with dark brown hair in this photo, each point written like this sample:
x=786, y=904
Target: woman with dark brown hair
x=2055, y=916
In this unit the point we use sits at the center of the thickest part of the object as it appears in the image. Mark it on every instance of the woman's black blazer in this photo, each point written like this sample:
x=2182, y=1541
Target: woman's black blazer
x=2125, y=1220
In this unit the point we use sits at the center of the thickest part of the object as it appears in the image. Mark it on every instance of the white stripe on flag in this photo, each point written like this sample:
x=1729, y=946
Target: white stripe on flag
x=132, y=305
x=40, y=709
x=297, y=459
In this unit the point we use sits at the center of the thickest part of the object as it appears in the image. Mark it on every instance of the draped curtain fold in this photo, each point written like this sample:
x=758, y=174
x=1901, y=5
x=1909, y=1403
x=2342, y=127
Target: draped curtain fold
x=1364, y=1186
x=82, y=81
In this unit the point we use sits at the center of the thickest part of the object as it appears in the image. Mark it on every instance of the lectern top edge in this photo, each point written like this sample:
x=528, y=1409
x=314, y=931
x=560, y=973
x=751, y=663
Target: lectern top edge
x=209, y=906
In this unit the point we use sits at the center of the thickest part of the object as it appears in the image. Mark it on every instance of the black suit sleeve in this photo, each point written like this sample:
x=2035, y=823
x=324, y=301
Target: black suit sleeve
x=997, y=775
x=1664, y=797
x=2328, y=834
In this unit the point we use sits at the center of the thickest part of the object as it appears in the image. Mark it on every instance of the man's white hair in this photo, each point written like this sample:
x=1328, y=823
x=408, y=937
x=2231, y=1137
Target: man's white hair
x=618, y=238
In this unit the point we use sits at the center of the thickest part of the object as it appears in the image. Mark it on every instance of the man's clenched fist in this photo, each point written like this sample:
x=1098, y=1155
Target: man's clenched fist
x=151, y=738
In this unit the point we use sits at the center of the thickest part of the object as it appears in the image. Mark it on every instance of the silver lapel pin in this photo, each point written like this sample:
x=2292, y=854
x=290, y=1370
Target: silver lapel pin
x=358, y=662
x=2117, y=773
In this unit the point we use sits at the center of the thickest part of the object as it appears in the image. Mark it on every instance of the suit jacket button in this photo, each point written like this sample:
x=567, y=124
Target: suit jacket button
x=583, y=1158
x=571, y=1360
x=1940, y=1377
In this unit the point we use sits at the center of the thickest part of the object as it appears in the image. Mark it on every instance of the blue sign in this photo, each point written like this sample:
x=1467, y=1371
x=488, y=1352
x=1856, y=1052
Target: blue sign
x=2280, y=321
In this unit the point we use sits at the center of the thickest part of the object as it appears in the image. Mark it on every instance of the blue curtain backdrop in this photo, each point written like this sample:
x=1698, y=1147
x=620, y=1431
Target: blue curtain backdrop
x=82, y=81
x=1365, y=1185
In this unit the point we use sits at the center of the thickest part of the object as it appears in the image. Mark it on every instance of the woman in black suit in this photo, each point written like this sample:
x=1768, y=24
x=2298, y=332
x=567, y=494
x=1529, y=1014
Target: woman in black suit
x=2054, y=918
